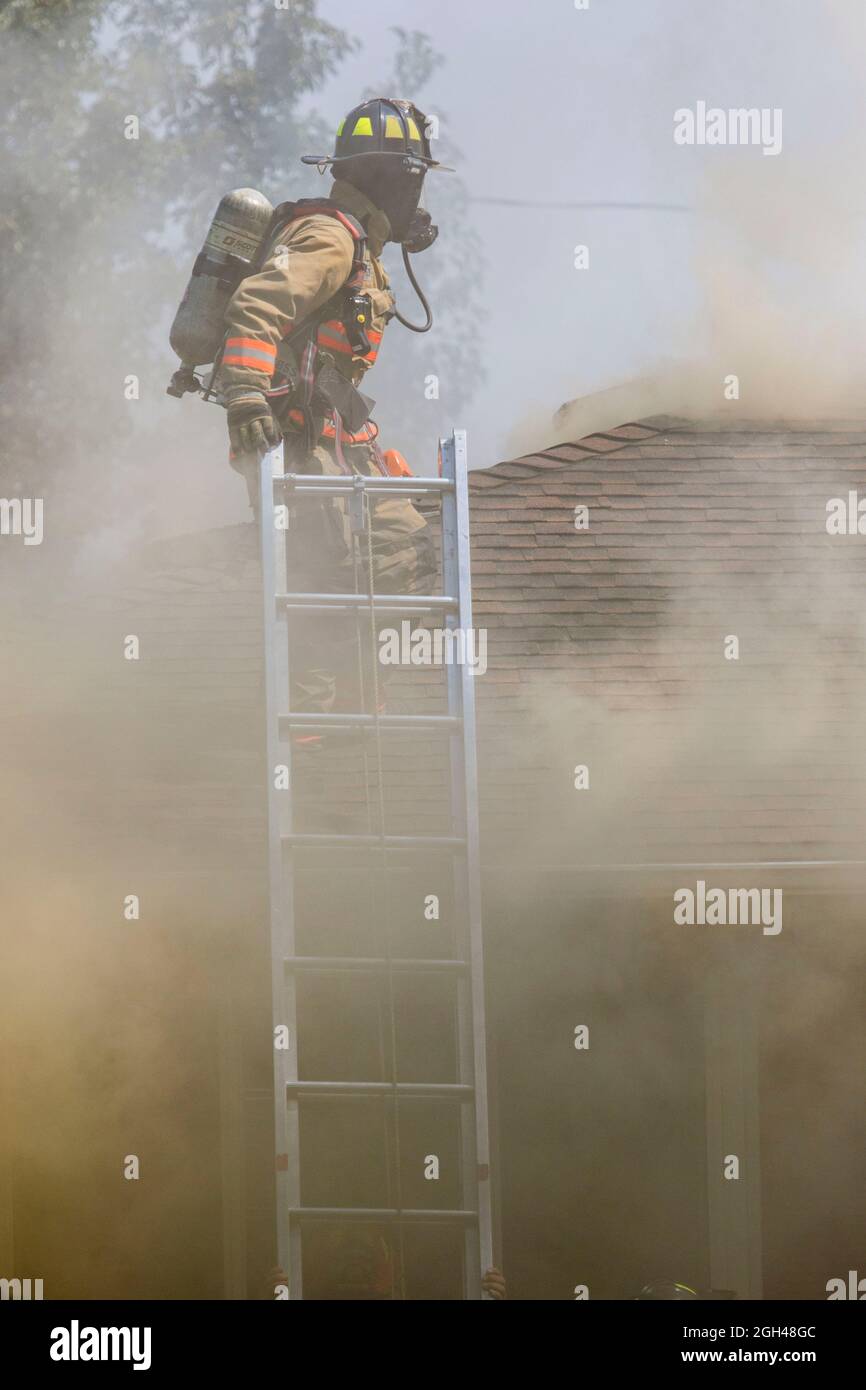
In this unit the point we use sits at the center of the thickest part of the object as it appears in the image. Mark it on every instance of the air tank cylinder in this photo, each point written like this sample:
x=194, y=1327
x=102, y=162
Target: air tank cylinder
x=230, y=248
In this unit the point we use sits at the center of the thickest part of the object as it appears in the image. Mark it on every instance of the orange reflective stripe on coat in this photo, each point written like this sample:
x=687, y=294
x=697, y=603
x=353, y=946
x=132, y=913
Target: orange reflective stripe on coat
x=250, y=352
x=332, y=338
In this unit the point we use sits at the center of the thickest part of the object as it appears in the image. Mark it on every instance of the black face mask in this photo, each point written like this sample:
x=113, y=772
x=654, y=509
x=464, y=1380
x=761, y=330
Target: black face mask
x=401, y=203
x=393, y=185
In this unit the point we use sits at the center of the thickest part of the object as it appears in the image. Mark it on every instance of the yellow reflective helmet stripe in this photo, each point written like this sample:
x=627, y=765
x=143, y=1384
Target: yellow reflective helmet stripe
x=414, y=132
x=363, y=126
x=393, y=128
x=341, y=126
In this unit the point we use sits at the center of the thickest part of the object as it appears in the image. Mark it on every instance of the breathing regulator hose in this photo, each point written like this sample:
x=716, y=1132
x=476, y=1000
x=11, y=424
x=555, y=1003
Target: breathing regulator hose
x=414, y=327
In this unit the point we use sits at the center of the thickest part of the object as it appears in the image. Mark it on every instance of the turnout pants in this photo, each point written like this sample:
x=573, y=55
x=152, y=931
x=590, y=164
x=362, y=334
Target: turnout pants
x=333, y=657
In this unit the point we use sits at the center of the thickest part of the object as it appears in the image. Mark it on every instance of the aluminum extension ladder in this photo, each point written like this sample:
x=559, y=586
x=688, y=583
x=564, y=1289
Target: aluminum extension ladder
x=469, y=1093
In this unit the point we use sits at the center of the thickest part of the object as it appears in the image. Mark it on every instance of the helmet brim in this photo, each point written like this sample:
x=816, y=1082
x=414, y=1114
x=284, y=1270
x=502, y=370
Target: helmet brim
x=323, y=160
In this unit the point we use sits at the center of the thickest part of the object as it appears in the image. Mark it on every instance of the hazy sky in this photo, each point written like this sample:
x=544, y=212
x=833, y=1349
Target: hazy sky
x=550, y=102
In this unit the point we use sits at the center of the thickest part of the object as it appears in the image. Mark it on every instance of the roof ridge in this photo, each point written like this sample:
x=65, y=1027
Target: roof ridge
x=615, y=439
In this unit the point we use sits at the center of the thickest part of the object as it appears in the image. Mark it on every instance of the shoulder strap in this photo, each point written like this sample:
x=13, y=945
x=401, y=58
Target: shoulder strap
x=286, y=213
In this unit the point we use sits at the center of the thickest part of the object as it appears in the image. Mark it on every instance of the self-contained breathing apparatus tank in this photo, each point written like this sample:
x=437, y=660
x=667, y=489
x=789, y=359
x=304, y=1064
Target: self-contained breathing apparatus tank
x=230, y=248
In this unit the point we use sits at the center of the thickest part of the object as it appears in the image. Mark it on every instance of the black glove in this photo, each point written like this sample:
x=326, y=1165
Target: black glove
x=252, y=428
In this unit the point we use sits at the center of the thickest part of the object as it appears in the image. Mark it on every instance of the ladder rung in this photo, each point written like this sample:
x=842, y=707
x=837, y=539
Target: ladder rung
x=447, y=723
x=376, y=965
x=409, y=1090
x=342, y=486
x=383, y=603
x=405, y=842
x=416, y=1214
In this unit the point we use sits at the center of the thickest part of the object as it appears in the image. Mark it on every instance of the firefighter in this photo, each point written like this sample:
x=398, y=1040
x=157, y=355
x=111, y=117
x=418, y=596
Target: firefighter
x=302, y=333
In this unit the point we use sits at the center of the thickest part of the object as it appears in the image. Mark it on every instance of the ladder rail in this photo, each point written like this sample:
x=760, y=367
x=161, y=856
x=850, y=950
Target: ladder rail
x=472, y=1039
x=272, y=545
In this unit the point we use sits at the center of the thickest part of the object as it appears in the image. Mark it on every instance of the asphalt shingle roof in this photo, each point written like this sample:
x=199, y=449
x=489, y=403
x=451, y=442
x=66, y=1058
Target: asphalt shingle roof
x=606, y=645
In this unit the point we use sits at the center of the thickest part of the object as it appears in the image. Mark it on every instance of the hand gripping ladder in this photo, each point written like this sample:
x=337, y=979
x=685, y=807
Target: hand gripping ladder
x=469, y=1092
